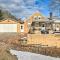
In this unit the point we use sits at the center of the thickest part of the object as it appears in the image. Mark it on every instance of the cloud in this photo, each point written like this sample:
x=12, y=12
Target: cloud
x=22, y=8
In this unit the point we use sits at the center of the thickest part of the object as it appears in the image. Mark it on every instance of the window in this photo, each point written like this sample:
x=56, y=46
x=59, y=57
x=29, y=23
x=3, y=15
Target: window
x=39, y=17
x=35, y=17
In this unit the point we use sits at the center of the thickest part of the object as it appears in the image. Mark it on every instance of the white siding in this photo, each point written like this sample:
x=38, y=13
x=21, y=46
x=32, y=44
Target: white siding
x=8, y=27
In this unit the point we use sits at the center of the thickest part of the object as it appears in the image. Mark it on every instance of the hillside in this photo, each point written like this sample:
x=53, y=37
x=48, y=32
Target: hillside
x=4, y=14
x=4, y=52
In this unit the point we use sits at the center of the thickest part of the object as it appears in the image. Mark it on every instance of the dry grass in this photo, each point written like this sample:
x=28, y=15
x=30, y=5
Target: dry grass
x=44, y=39
x=8, y=40
x=4, y=52
x=11, y=40
x=49, y=51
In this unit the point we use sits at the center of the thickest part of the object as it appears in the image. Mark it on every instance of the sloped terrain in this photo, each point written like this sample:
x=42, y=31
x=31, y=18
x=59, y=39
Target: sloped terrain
x=12, y=41
x=6, y=41
x=4, y=14
x=4, y=52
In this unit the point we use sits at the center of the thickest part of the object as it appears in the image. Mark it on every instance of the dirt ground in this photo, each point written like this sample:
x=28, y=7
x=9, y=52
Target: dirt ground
x=4, y=52
x=6, y=41
x=44, y=39
x=49, y=51
x=12, y=40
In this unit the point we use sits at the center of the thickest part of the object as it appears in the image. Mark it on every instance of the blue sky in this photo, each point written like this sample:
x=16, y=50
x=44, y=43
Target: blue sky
x=25, y=8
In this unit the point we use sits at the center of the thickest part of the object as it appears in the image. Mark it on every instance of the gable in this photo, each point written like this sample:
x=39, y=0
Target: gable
x=37, y=15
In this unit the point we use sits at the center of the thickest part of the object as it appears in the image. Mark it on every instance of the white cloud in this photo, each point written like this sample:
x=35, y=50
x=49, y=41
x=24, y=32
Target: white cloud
x=17, y=7
x=17, y=1
x=20, y=8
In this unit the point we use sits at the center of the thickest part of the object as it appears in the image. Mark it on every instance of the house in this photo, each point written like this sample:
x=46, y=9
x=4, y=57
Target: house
x=37, y=23
x=12, y=25
x=43, y=25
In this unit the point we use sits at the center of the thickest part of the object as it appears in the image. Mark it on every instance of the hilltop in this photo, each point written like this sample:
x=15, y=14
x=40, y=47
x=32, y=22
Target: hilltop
x=4, y=14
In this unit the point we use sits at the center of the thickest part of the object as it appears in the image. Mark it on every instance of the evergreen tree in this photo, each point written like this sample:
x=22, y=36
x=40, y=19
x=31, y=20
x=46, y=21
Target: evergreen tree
x=1, y=14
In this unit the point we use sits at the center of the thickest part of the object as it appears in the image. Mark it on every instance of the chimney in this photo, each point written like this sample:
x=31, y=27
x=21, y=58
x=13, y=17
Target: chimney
x=51, y=15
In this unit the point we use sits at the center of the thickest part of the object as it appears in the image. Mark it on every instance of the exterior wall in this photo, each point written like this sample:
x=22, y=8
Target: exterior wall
x=26, y=30
x=36, y=14
x=25, y=24
x=36, y=20
x=56, y=26
x=18, y=27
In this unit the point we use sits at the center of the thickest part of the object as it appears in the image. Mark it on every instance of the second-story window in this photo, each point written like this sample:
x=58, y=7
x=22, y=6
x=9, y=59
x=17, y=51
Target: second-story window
x=39, y=17
x=35, y=17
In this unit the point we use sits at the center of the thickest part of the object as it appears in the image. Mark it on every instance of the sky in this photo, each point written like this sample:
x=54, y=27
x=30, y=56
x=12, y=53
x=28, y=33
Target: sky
x=25, y=8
